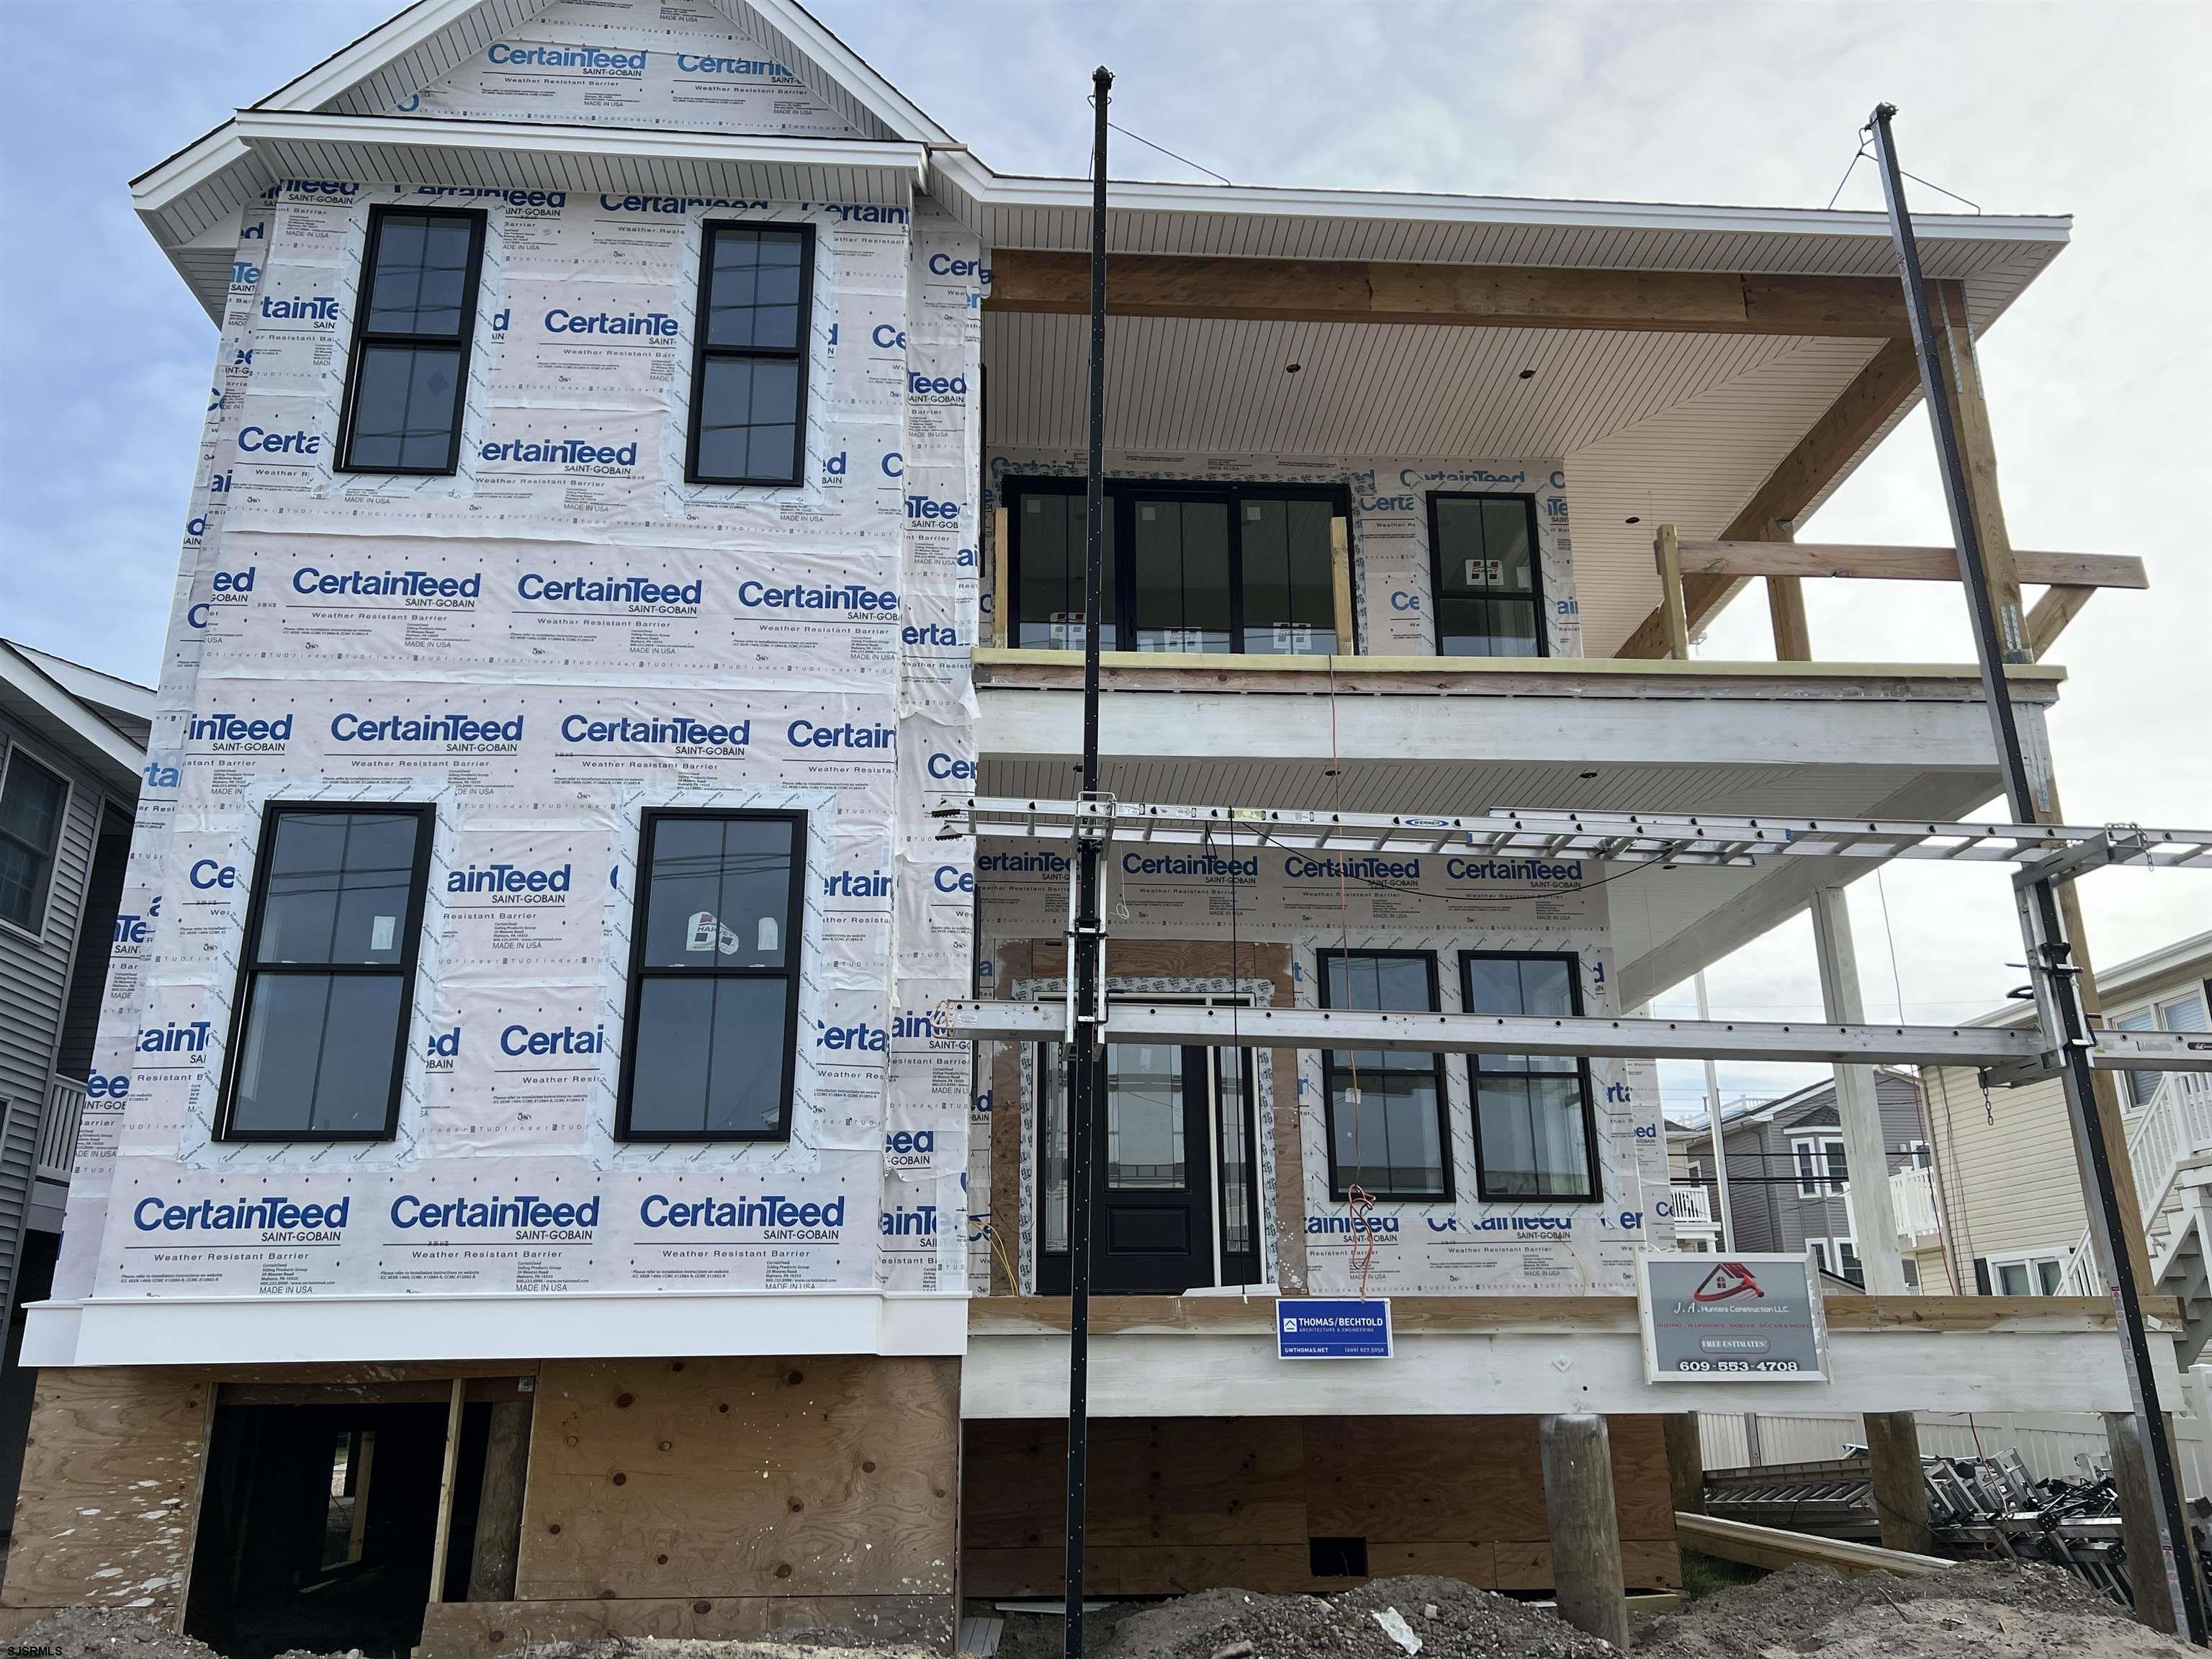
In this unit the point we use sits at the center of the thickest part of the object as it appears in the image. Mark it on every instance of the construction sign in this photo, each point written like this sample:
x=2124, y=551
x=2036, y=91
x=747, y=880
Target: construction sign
x=1736, y=1318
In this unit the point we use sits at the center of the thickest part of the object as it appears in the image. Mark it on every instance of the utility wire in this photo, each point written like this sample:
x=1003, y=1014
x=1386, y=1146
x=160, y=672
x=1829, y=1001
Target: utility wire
x=1199, y=166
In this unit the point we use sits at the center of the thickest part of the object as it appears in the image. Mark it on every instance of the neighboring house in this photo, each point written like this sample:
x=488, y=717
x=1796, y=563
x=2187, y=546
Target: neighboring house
x=72, y=742
x=1788, y=1183
x=532, y=1145
x=2013, y=1220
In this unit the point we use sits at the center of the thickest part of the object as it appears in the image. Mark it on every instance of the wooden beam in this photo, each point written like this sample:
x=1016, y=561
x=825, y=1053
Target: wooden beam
x=1858, y=413
x=441, y=1540
x=1667, y=554
x=2059, y=605
x=1339, y=571
x=1772, y=1548
x=1477, y=296
x=1785, y=609
x=1861, y=561
x=1962, y=377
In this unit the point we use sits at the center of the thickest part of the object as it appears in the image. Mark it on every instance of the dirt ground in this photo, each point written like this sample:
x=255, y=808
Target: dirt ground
x=1972, y=1612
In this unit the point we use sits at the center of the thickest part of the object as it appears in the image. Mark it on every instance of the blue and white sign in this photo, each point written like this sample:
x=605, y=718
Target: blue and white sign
x=1345, y=1328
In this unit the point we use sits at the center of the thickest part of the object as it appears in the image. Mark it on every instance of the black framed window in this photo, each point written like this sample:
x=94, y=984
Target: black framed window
x=413, y=320
x=710, y=1045
x=1388, y=1129
x=749, y=365
x=1535, y=1133
x=34, y=800
x=1247, y=569
x=1487, y=588
x=319, y=1033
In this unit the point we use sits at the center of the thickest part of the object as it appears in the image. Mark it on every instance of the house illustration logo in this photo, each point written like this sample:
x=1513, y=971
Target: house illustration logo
x=1728, y=1282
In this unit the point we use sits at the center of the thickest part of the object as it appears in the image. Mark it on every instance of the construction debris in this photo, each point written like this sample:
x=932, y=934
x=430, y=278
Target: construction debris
x=1448, y=1620
x=1975, y=1610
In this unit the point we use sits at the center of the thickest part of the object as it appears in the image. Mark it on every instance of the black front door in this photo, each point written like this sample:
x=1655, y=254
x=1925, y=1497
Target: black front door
x=1174, y=1183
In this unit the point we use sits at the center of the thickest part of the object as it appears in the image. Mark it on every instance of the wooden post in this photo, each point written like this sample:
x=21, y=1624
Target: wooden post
x=1685, y=1463
x=499, y=1508
x=1900, y=1491
x=1003, y=631
x=2131, y=1487
x=1339, y=570
x=438, y=1547
x=1962, y=381
x=1578, y=1500
x=1785, y=605
x=1858, y=1103
x=1667, y=553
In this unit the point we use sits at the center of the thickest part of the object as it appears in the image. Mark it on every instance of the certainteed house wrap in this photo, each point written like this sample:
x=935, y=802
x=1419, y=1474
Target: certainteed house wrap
x=550, y=1174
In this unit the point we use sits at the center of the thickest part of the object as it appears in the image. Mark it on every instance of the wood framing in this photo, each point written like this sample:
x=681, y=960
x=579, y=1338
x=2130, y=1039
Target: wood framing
x=1921, y=565
x=1481, y=297
x=1773, y=1549
x=1185, y=1503
x=1865, y=406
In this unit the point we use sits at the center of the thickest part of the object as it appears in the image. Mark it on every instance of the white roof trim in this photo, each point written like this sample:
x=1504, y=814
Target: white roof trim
x=380, y=46
x=971, y=175
x=899, y=113
x=25, y=678
x=2185, y=958
x=90, y=685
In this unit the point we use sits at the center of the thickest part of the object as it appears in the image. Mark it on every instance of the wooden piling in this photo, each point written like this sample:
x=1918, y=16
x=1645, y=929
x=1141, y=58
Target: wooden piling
x=1585, y=1526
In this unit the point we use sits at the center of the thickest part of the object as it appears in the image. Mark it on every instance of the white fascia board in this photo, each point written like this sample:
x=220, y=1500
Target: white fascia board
x=24, y=678
x=390, y=1330
x=259, y=129
x=90, y=685
x=198, y=163
x=878, y=97
x=380, y=46
x=1016, y=191
x=2185, y=958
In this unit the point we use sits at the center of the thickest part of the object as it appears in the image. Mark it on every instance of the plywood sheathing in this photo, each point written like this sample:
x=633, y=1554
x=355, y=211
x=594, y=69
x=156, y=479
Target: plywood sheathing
x=1186, y=1503
x=654, y=1482
x=110, y=1493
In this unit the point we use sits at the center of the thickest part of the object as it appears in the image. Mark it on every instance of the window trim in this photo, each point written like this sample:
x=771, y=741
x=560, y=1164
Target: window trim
x=633, y=992
x=2029, y=1261
x=1329, y=1073
x=1581, y=1073
x=1535, y=593
x=418, y=890
x=464, y=342
x=1229, y=492
x=1825, y=1183
x=16, y=747
x=801, y=352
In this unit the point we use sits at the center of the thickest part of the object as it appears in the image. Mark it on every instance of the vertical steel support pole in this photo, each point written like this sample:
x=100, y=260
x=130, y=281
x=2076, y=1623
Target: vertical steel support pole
x=1086, y=1056
x=2049, y=955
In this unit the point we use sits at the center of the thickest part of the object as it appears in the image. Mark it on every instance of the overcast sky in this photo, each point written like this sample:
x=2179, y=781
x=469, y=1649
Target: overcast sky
x=2097, y=378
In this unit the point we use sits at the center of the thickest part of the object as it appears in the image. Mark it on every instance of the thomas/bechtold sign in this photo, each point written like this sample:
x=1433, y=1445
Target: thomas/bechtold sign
x=1332, y=1328
x=1738, y=1318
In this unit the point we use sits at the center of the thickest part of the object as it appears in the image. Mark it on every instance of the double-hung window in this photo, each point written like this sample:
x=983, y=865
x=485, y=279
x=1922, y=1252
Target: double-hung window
x=413, y=319
x=1487, y=585
x=319, y=1035
x=1821, y=1165
x=33, y=801
x=1387, y=1134
x=710, y=1041
x=1188, y=567
x=749, y=365
x=2185, y=1012
x=1534, y=1133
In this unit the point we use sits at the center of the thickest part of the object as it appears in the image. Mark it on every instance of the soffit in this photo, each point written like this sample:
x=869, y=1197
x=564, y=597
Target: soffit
x=1681, y=427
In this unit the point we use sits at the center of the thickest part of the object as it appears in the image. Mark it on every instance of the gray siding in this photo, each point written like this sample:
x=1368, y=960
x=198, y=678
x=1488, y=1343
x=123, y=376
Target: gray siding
x=35, y=975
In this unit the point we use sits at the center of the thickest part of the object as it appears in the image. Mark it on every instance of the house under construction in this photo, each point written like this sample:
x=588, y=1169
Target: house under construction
x=584, y=1147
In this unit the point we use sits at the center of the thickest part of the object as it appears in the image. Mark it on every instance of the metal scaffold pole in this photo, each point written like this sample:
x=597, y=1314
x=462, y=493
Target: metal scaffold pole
x=2050, y=955
x=1086, y=989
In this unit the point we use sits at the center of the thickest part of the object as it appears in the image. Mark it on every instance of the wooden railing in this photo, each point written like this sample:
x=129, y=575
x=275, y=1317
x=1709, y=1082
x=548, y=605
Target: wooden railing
x=2069, y=578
